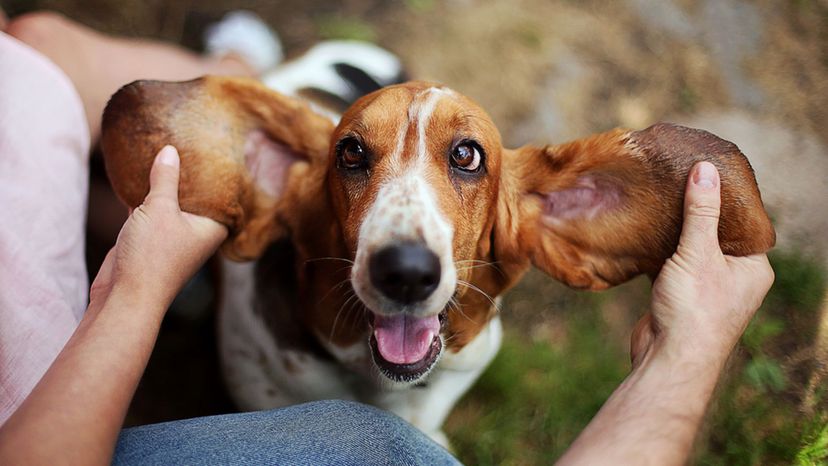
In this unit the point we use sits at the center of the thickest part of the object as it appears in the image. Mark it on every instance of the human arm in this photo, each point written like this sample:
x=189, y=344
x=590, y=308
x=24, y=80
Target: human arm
x=74, y=414
x=702, y=301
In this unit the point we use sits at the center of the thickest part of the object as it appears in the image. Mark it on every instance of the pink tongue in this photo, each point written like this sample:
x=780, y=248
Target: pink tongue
x=404, y=339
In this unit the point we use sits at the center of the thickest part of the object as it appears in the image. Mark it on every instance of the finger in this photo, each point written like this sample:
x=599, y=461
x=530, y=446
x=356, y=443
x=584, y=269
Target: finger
x=207, y=227
x=164, y=174
x=702, y=204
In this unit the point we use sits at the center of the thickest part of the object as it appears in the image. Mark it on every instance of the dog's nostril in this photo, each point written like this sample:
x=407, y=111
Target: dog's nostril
x=405, y=273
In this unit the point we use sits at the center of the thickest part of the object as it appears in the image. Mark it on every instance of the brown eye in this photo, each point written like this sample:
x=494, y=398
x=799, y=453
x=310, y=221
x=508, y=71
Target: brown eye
x=351, y=154
x=466, y=157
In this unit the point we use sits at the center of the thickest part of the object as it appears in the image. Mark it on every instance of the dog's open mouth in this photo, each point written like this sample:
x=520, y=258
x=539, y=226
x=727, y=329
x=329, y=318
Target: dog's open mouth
x=405, y=347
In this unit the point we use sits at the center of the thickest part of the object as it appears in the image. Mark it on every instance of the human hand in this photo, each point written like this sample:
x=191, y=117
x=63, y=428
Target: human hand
x=702, y=300
x=159, y=247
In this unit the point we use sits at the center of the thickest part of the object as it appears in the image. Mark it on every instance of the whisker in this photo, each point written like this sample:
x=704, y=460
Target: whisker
x=450, y=338
x=356, y=309
x=472, y=267
x=455, y=304
x=472, y=287
x=476, y=263
x=338, y=285
x=342, y=259
x=338, y=313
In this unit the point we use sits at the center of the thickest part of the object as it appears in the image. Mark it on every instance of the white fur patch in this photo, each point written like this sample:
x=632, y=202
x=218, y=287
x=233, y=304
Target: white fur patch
x=432, y=95
x=406, y=209
x=316, y=68
x=427, y=408
x=244, y=33
x=258, y=373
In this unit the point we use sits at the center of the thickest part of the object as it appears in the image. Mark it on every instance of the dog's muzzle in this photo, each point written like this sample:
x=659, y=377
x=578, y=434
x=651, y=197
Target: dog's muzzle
x=405, y=346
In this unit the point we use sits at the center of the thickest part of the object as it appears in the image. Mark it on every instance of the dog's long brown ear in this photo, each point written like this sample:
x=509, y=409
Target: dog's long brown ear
x=249, y=156
x=598, y=211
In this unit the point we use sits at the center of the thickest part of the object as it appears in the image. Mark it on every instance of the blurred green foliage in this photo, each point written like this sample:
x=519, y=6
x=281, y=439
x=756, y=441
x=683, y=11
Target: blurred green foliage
x=815, y=449
x=345, y=28
x=800, y=282
x=539, y=394
x=420, y=6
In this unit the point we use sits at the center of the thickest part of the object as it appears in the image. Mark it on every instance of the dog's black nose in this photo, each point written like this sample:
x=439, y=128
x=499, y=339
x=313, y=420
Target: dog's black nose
x=405, y=273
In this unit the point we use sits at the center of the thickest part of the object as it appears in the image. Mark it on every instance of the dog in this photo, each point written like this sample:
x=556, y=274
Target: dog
x=371, y=255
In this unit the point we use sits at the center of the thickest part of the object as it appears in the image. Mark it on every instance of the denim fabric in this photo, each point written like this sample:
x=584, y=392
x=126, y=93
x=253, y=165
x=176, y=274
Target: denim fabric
x=329, y=432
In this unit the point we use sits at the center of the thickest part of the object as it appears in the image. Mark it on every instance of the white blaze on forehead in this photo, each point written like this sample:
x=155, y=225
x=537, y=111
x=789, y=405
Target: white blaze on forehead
x=396, y=156
x=406, y=209
x=431, y=96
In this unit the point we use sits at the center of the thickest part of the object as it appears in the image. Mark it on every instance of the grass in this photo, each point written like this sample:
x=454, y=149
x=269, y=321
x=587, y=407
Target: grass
x=539, y=393
x=536, y=397
x=814, y=451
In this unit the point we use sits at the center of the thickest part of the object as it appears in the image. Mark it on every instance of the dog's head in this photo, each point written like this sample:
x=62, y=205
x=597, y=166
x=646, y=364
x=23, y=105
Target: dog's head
x=415, y=188
x=413, y=180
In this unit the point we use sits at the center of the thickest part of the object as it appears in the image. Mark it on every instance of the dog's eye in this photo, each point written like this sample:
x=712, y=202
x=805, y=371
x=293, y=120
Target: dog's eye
x=465, y=156
x=351, y=154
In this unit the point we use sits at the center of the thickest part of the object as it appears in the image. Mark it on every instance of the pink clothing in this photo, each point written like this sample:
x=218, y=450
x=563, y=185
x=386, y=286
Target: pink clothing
x=44, y=147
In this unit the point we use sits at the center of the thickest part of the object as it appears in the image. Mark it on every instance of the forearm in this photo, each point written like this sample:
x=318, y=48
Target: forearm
x=653, y=417
x=75, y=412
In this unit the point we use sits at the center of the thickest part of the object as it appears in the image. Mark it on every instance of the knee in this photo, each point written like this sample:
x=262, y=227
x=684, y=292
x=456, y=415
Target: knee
x=372, y=423
x=343, y=410
x=38, y=29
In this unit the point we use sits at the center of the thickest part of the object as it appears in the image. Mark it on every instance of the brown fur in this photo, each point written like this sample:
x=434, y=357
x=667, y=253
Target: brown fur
x=501, y=218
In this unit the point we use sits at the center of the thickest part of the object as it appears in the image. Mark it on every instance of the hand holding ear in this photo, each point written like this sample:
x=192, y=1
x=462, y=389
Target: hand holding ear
x=159, y=247
x=702, y=300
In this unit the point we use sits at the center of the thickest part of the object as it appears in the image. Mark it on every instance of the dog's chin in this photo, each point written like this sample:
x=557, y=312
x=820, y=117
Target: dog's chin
x=408, y=373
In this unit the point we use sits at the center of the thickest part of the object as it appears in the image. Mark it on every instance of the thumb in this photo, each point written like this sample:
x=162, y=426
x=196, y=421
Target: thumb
x=164, y=174
x=702, y=204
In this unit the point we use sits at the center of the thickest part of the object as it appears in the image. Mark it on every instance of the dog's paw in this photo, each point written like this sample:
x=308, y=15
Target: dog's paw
x=245, y=34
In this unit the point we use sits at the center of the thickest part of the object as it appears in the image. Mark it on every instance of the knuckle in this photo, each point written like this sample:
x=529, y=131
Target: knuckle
x=703, y=210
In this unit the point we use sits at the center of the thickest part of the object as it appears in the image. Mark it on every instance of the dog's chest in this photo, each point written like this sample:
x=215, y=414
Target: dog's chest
x=271, y=359
x=269, y=356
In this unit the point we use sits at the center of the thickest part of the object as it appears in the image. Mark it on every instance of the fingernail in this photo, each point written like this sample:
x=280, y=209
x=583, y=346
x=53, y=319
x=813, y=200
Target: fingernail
x=168, y=156
x=706, y=175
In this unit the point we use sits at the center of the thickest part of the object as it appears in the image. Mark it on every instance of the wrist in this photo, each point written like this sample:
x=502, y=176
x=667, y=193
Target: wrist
x=677, y=385
x=666, y=393
x=138, y=299
x=693, y=358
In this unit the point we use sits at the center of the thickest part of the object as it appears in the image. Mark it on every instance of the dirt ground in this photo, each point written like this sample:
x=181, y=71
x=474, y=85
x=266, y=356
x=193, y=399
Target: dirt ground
x=754, y=72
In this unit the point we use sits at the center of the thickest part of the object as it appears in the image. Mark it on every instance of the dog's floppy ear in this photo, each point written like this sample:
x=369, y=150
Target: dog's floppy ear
x=598, y=211
x=247, y=153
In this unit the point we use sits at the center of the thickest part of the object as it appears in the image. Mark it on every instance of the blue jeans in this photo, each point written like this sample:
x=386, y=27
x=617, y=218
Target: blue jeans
x=329, y=432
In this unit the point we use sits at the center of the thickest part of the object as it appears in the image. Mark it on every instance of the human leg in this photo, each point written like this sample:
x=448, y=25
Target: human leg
x=323, y=432
x=44, y=146
x=99, y=64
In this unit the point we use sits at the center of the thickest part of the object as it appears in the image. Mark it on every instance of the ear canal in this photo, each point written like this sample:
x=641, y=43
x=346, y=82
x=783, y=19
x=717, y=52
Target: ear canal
x=596, y=212
x=245, y=151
